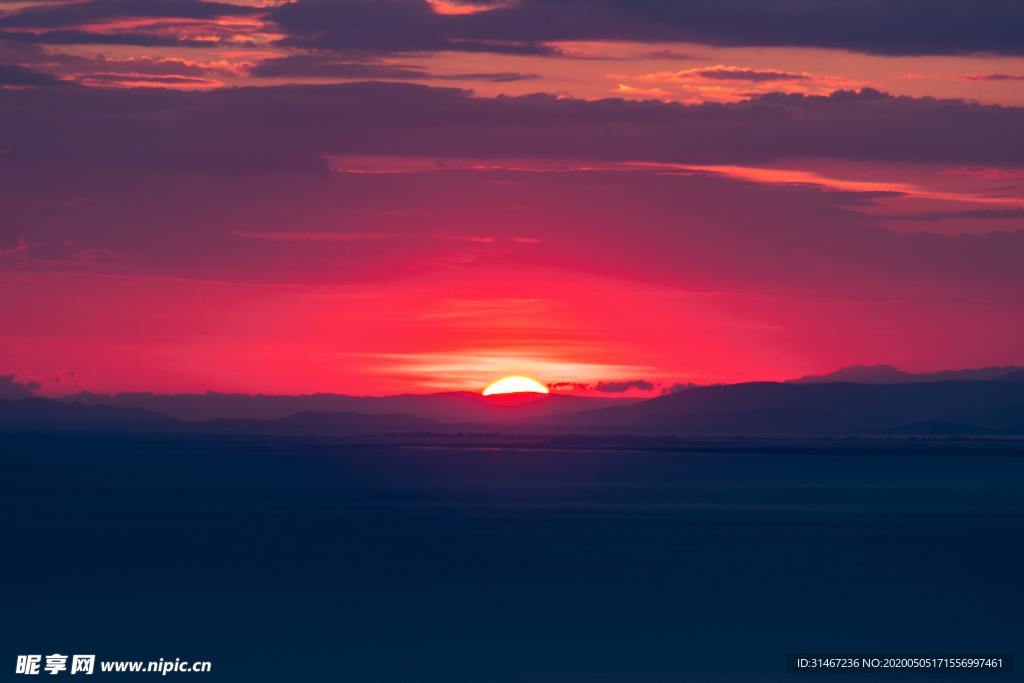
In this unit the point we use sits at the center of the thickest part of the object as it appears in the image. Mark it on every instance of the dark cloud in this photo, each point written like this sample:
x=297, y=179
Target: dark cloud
x=391, y=26
x=623, y=386
x=327, y=66
x=76, y=14
x=72, y=24
x=897, y=27
x=135, y=65
x=20, y=76
x=668, y=54
x=747, y=75
x=295, y=127
x=11, y=389
x=71, y=37
x=492, y=76
x=73, y=66
x=571, y=386
x=995, y=77
x=126, y=80
x=608, y=387
x=973, y=214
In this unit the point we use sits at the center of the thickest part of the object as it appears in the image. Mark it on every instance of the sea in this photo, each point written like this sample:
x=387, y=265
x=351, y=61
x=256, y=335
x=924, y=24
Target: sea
x=488, y=558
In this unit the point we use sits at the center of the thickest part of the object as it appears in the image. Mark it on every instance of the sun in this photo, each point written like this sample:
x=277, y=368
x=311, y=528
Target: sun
x=516, y=384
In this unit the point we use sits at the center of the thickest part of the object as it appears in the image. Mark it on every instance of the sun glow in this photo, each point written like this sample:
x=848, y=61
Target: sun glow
x=516, y=385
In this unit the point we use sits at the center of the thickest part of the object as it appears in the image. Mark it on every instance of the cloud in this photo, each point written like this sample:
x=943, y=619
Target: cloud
x=722, y=83
x=298, y=127
x=327, y=66
x=618, y=387
x=607, y=387
x=390, y=26
x=142, y=65
x=896, y=27
x=92, y=38
x=330, y=67
x=119, y=70
x=994, y=77
x=975, y=214
x=491, y=76
x=68, y=252
x=86, y=13
x=12, y=389
x=257, y=160
x=282, y=236
x=148, y=23
x=529, y=27
x=570, y=386
x=731, y=73
x=130, y=80
x=20, y=76
x=465, y=7
x=867, y=188
x=19, y=252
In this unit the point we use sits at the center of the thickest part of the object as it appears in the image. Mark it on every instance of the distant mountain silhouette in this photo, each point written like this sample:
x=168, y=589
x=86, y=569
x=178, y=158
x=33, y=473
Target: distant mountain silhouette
x=887, y=374
x=460, y=406
x=769, y=407
x=44, y=414
x=40, y=414
x=1015, y=376
x=930, y=407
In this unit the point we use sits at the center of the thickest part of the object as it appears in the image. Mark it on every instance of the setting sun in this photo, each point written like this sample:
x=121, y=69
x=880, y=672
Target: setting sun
x=516, y=385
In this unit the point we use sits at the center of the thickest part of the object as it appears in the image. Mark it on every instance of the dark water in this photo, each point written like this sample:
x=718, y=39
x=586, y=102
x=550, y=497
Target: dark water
x=313, y=560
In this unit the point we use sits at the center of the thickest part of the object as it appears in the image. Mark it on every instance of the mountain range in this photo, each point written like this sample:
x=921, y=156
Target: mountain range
x=994, y=406
x=887, y=374
x=884, y=401
x=454, y=406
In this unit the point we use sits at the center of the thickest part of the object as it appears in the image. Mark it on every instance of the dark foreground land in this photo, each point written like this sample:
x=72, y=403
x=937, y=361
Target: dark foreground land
x=493, y=560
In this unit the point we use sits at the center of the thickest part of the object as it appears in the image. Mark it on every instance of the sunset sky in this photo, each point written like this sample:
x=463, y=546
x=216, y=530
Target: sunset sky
x=611, y=196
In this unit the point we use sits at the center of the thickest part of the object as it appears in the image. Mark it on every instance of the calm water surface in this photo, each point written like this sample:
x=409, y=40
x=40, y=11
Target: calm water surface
x=498, y=560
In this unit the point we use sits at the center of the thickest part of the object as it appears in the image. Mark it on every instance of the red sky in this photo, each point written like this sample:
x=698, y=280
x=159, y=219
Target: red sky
x=388, y=197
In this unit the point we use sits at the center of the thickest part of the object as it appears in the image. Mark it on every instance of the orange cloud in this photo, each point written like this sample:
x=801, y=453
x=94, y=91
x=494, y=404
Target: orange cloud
x=722, y=83
x=451, y=8
x=784, y=176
